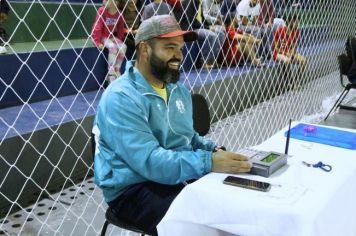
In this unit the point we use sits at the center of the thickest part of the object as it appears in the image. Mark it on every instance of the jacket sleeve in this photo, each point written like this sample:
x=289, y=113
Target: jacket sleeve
x=97, y=27
x=132, y=140
x=199, y=142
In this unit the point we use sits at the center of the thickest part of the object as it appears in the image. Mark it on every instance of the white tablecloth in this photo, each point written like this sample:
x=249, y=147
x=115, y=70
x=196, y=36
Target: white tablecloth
x=303, y=201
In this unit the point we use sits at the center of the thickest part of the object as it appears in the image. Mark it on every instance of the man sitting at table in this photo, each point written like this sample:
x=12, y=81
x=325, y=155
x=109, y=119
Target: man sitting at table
x=147, y=147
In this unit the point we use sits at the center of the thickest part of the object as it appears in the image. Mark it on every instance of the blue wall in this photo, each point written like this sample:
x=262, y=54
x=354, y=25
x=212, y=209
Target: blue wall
x=41, y=78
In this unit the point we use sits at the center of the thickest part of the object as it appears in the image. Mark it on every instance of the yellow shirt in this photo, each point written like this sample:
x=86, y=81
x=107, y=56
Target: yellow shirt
x=161, y=92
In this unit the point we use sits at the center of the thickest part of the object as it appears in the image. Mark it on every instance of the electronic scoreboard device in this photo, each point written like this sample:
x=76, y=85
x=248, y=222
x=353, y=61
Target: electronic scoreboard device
x=264, y=163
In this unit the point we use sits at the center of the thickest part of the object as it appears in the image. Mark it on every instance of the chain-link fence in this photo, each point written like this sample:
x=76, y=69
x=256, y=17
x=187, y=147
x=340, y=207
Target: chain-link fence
x=257, y=69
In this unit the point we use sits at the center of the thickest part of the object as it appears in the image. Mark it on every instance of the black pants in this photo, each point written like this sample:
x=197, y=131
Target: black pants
x=145, y=204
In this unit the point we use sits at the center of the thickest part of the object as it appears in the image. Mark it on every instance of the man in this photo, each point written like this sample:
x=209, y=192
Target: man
x=247, y=13
x=147, y=148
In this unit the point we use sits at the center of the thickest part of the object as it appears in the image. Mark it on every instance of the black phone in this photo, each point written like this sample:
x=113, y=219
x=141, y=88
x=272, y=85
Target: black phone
x=247, y=183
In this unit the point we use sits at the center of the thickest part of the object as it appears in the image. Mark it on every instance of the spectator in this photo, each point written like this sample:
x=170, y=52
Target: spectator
x=266, y=15
x=258, y=21
x=209, y=41
x=108, y=31
x=4, y=12
x=157, y=7
x=285, y=45
x=132, y=10
x=247, y=13
x=238, y=45
x=212, y=12
x=285, y=42
x=147, y=147
x=229, y=7
x=213, y=19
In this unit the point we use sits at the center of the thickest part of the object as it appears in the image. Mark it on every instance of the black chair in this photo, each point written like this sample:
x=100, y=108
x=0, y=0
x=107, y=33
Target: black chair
x=201, y=114
x=201, y=123
x=111, y=218
x=344, y=65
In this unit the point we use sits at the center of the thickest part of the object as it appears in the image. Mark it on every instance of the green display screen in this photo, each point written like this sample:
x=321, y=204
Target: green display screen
x=270, y=158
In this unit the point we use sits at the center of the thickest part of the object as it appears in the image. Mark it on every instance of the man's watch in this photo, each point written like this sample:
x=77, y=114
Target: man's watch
x=217, y=148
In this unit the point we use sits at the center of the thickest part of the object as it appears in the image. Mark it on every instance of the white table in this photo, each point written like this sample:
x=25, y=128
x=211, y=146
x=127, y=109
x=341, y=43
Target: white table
x=303, y=201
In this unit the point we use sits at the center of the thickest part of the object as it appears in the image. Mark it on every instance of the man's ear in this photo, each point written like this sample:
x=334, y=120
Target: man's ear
x=145, y=50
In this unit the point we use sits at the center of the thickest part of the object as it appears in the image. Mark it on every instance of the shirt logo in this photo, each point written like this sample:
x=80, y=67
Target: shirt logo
x=111, y=21
x=180, y=106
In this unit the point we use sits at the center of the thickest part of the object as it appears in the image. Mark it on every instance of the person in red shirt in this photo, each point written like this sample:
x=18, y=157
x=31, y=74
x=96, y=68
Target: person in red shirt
x=285, y=43
x=108, y=31
x=285, y=50
x=238, y=46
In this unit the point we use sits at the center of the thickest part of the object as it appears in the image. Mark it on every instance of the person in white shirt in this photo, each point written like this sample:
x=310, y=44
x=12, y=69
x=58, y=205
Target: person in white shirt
x=247, y=12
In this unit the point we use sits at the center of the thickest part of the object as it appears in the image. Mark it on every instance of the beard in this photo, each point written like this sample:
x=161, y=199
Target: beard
x=162, y=71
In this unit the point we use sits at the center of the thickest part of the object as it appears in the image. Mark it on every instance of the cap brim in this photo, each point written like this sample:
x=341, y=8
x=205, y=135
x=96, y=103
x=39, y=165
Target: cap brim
x=187, y=35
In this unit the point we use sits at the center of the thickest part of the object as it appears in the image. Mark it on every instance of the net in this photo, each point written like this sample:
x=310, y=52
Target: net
x=53, y=71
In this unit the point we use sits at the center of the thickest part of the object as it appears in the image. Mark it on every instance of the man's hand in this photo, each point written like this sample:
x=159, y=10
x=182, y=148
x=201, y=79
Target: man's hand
x=229, y=162
x=101, y=46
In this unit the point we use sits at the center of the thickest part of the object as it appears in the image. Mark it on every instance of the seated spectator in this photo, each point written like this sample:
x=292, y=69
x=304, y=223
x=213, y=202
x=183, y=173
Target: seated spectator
x=258, y=21
x=213, y=19
x=4, y=12
x=212, y=12
x=229, y=7
x=209, y=41
x=132, y=10
x=285, y=45
x=108, y=31
x=247, y=13
x=268, y=23
x=157, y=7
x=238, y=45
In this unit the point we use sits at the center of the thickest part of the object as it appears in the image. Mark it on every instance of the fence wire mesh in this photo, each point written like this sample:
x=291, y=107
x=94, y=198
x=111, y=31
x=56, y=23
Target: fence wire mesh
x=256, y=67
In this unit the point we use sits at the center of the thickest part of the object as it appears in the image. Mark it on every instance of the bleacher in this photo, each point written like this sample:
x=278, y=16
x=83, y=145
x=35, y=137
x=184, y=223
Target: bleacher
x=60, y=94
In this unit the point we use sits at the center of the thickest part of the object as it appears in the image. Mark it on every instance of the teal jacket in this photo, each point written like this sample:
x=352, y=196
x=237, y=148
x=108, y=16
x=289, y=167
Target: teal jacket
x=141, y=138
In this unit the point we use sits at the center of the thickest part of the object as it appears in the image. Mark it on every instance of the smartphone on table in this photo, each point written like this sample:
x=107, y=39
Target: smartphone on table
x=247, y=183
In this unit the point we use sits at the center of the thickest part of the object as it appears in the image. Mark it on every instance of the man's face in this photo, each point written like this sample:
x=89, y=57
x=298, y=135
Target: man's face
x=253, y=3
x=165, y=58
